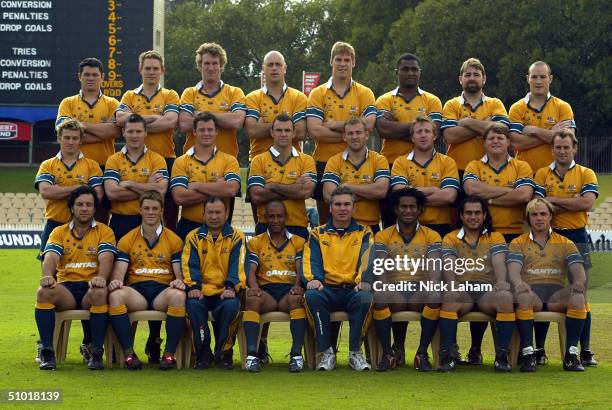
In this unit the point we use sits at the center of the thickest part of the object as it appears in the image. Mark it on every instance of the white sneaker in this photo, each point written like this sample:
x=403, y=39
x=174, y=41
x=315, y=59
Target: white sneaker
x=296, y=364
x=327, y=361
x=357, y=362
x=252, y=364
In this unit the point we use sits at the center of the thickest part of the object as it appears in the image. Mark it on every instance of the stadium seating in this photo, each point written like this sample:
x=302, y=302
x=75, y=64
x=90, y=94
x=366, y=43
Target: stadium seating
x=63, y=321
x=146, y=315
x=268, y=318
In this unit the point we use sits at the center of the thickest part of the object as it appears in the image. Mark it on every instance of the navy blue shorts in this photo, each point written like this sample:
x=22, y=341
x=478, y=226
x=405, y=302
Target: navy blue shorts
x=581, y=240
x=149, y=289
x=122, y=224
x=277, y=290
x=318, y=192
x=78, y=290
x=50, y=225
x=545, y=291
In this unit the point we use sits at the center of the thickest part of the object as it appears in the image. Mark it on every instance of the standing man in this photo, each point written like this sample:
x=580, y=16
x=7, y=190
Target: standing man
x=213, y=270
x=274, y=285
x=332, y=264
x=329, y=106
x=539, y=264
x=397, y=109
x=504, y=182
x=535, y=118
x=131, y=172
x=282, y=173
x=160, y=108
x=96, y=112
x=57, y=177
x=466, y=117
x=432, y=173
x=363, y=171
x=212, y=95
x=77, y=262
x=201, y=173
x=572, y=189
x=150, y=256
x=273, y=99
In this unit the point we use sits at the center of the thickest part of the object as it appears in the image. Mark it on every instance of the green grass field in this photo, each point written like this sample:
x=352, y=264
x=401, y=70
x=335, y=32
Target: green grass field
x=22, y=180
x=276, y=388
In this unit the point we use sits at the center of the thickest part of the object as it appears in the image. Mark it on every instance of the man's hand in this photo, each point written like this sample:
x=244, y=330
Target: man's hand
x=561, y=125
x=48, y=282
x=297, y=290
x=228, y=294
x=97, y=282
x=522, y=287
x=314, y=284
x=114, y=285
x=388, y=115
x=177, y=284
x=501, y=286
x=363, y=287
x=577, y=288
x=155, y=177
x=194, y=294
x=303, y=179
x=254, y=292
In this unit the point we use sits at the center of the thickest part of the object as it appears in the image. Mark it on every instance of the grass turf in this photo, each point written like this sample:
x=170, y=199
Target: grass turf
x=476, y=387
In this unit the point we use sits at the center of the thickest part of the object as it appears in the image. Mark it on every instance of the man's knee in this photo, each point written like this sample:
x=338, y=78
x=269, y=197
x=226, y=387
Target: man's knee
x=314, y=296
x=116, y=298
x=576, y=302
x=503, y=298
x=44, y=294
x=525, y=300
x=253, y=303
x=98, y=296
x=295, y=301
x=176, y=297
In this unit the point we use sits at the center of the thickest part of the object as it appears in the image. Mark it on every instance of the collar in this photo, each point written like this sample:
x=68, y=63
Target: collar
x=485, y=158
x=353, y=226
x=396, y=91
x=158, y=231
x=483, y=98
x=200, y=85
x=329, y=83
x=60, y=156
x=550, y=232
x=227, y=230
x=553, y=166
x=345, y=154
x=275, y=153
x=288, y=234
x=528, y=97
x=81, y=94
x=397, y=228
x=93, y=224
x=125, y=151
x=265, y=89
x=191, y=151
x=140, y=88
x=410, y=155
x=461, y=233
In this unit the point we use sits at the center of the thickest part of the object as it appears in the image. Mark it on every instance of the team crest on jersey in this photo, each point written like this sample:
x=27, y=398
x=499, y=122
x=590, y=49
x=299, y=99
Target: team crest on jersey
x=161, y=257
x=159, y=109
x=551, y=120
x=144, y=171
x=571, y=188
x=292, y=174
x=356, y=242
x=80, y=178
x=365, y=178
x=421, y=110
x=510, y=184
x=224, y=106
x=326, y=243
x=353, y=110
x=91, y=250
x=435, y=176
x=224, y=249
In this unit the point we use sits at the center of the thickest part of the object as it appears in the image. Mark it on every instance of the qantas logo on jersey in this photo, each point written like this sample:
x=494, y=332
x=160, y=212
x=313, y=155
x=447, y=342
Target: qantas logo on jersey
x=81, y=265
x=151, y=271
x=277, y=272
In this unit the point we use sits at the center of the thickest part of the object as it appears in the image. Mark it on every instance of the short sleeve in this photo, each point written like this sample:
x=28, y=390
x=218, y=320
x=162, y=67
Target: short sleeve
x=64, y=111
x=187, y=101
x=450, y=175
x=381, y=169
x=299, y=108
x=180, y=176
x=309, y=168
x=367, y=102
x=472, y=171
x=316, y=103
x=126, y=103
x=257, y=173
x=107, y=240
x=589, y=182
x=399, y=172
x=172, y=102
x=232, y=170
x=252, y=105
x=434, y=108
x=237, y=102
x=55, y=242
x=524, y=176
x=450, y=114
x=516, y=116
x=332, y=170
x=498, y=112
x=384, y=104
x=96, y=178
x=111, y=170
x=540, y=182
x=44, y=174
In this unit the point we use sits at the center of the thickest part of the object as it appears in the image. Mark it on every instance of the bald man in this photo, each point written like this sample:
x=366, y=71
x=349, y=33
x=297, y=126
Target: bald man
x=263, y=106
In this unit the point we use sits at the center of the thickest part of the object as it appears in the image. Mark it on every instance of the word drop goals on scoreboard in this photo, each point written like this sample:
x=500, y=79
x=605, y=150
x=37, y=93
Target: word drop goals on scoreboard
x=44, y=41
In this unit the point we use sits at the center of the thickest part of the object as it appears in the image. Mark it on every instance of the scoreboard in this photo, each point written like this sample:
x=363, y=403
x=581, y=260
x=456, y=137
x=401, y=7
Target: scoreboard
x=42, y=43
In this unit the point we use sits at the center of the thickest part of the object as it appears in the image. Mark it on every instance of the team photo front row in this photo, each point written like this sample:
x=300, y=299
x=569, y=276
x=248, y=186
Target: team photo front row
x=341, y=265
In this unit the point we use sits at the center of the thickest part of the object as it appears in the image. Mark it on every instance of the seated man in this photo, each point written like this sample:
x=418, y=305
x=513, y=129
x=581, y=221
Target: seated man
x=332, y=269
x=213, y=269
x=77, y=261
x=407, y=239
x=474, y=255
x=151, y=256
x=274, y=284
x=538, y=267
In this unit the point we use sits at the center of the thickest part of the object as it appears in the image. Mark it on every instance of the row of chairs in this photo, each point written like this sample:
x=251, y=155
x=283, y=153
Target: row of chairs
x=184, y=353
